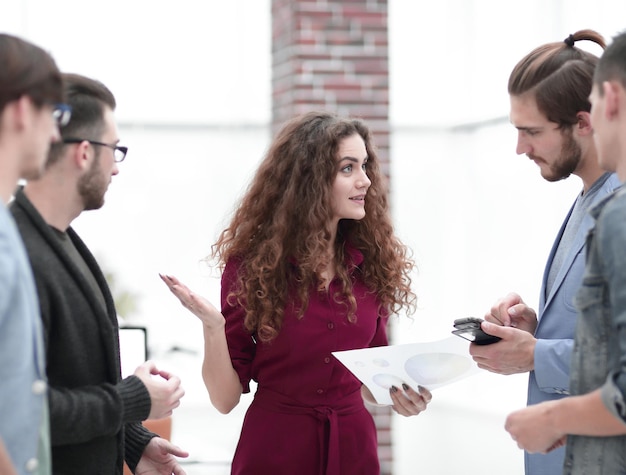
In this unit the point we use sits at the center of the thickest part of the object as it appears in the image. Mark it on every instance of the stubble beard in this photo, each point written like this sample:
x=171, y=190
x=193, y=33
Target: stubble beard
x=568, y=161
x=91, y=187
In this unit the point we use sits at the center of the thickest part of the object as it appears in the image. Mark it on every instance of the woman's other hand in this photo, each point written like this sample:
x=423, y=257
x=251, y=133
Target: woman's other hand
x=408, y=402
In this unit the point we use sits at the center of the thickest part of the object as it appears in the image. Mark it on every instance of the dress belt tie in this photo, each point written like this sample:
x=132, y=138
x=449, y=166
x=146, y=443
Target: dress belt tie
x=350, y=404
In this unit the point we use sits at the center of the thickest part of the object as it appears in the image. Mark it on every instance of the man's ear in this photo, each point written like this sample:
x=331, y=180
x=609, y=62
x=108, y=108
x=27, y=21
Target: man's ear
x=583, y=127
x=20, y=112
x=81, y=154
x=611, y=93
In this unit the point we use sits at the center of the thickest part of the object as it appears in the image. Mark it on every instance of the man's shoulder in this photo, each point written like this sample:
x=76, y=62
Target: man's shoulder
x=9, y=241
x=606, y=185
x=612, y=183
x=610, y=213
x=26, y=222
x=615, y=204
x=20, y=208
x=7, y=228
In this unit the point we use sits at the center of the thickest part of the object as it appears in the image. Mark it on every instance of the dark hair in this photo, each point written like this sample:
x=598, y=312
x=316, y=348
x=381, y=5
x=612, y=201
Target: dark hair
x=26, y=69
x=88, y=99
x=559, y=76
x=285, y=218
x=612, y=63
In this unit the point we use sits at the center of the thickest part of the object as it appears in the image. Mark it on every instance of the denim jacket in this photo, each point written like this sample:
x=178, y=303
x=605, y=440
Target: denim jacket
x=599, y=355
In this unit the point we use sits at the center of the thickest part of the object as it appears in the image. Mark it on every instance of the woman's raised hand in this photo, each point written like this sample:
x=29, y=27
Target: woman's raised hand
x=196, y=304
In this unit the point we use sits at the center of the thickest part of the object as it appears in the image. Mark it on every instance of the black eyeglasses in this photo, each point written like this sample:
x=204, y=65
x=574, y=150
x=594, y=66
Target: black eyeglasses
x=119, y=153
x=61, y=113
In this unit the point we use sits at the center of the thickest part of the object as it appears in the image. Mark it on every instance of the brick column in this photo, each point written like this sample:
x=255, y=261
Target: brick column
x=333, y=55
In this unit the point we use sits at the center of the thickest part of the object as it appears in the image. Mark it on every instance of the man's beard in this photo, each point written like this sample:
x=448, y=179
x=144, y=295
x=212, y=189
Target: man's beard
x=92, y=187
x=568, y=160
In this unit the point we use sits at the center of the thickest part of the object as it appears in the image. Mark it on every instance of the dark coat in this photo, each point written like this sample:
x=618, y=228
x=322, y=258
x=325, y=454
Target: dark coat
x=95, y=416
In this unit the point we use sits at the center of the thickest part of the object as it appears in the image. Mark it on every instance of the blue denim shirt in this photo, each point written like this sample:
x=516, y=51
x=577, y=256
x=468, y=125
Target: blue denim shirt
x=599, y=355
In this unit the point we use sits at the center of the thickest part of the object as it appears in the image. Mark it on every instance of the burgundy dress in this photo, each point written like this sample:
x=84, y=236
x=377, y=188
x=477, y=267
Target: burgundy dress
x=307, y=416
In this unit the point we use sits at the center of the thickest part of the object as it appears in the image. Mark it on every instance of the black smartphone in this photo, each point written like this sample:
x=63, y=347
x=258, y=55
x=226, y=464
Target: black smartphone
x=469, y=328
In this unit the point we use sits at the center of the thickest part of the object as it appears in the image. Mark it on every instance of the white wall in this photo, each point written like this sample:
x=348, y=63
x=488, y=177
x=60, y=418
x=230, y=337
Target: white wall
x=192, y=79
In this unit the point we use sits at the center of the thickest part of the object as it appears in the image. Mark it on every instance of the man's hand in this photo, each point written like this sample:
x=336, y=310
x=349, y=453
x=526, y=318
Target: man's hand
x=511, y=311
x=158, y=458
x=514, y=353
x=533, y=429
x=165, y=389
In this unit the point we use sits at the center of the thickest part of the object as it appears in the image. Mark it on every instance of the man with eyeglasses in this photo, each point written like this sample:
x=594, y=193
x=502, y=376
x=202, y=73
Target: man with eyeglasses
x=95, y=415
x=30, y=92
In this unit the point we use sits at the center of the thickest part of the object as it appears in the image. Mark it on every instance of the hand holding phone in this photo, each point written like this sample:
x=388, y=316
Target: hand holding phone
x=469, y=328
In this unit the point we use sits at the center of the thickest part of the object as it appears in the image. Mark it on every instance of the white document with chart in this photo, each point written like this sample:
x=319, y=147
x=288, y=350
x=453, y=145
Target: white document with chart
x=429, y=364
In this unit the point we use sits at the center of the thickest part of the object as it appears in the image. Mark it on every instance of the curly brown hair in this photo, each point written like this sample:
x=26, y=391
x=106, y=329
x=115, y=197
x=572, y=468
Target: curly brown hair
x=285, y=218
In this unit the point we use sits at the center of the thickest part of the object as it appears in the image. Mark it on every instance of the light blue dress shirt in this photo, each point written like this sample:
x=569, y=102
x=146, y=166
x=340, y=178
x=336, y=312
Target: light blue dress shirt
x=24, y=424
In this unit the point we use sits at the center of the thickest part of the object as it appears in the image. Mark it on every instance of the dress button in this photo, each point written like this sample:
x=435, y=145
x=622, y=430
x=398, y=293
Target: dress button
x=31, y=465
x=327, y=360
x=331, y=325
x=320, y=391
x=39, y=387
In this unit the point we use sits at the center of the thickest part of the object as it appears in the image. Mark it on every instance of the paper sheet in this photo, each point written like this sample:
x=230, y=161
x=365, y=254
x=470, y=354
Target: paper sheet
x=428, y=364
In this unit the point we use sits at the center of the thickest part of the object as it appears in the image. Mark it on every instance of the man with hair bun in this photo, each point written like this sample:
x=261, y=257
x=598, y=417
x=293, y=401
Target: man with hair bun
x=593, y=418
x=549, y=92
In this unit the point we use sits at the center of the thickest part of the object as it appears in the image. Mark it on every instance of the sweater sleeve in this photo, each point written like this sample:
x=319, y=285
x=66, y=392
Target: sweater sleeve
x=136, y=437
x=81, y=414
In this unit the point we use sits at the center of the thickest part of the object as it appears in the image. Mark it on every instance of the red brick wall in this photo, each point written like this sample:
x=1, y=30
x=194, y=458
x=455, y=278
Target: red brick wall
x=333, y=55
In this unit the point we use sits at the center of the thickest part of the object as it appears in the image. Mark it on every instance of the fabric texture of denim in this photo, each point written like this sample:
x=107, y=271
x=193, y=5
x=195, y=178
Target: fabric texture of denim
x=599, y=355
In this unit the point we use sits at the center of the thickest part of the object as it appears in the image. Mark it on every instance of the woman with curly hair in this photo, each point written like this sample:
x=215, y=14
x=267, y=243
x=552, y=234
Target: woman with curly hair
x=311, y=266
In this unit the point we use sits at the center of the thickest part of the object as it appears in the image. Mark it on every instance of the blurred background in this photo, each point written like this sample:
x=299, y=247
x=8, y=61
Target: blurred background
x=193, y=84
